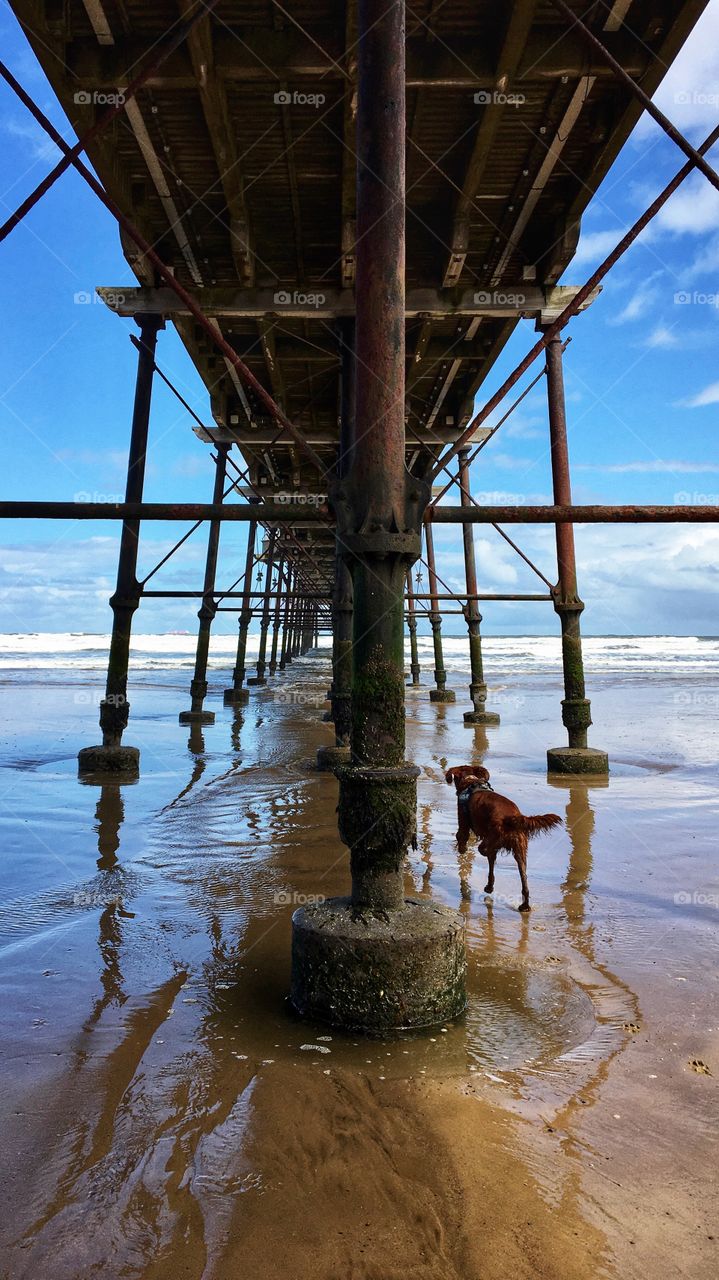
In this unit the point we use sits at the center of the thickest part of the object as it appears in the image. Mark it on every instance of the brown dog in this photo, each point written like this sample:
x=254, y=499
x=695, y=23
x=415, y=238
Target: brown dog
x=496, y=821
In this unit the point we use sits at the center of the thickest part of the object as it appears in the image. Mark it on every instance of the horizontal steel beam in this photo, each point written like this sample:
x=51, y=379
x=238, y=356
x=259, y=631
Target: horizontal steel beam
x=320, y=302
x=278, y=513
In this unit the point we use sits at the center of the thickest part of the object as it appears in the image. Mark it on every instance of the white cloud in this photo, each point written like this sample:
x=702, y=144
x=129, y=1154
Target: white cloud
x=689, y=93
x=36, y=141
x=692, y=210
x=672, y=466
x=641, y=301
x=710, y=395
x=661, y=337
x=594, y=246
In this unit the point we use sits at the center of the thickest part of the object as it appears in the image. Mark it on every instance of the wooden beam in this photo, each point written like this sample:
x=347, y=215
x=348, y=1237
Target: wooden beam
x=519, y=24
x=213, y=98
x=314, y=303
x=264, y=56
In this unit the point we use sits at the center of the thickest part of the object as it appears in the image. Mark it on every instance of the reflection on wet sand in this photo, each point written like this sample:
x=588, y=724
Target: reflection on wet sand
x=186, y=1124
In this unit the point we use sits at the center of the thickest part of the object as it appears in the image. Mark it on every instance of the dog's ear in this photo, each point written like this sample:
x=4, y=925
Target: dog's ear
x=449, y=776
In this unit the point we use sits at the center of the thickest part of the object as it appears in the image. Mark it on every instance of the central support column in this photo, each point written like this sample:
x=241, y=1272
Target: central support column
x=441, y=693
x=576, y=710
x=477, y=688
x=377, y=960
x=208, y=609
x=115, y=708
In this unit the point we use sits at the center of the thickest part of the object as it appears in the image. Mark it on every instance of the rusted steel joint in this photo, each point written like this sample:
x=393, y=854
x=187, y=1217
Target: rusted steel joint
x=563, y=605
x=198, y=689
x=207, y=610
x=576, y=713
x=114, y=716
x=129, y=602
x=377, y=813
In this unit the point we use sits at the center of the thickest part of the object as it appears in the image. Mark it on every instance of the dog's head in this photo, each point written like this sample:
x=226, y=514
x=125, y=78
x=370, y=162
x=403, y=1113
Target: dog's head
x=463, y=774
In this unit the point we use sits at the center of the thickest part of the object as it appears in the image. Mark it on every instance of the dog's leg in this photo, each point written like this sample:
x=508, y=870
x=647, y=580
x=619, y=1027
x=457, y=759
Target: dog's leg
x=521, y=859
x=491, y=857
x=464, y=829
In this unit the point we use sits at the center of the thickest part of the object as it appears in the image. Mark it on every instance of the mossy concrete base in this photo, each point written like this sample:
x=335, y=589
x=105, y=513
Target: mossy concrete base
x=111, y=760
x=481, y=717
x=378, y=972
x=442, y=695
x=577, y=760
x=196, y=717
x=329, y=758
x=256, y=680
x=236, y=697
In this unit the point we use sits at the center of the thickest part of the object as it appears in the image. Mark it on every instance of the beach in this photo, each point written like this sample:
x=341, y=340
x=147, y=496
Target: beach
x=166, y=1115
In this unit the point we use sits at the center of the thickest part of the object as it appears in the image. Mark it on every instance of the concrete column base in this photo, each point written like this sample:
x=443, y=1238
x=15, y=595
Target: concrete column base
x=328, y=758
x=481, y=717
x=442, y=695
x=378, y=973
x=114, y=760
x=577, y=760
x=196, y=717
x=256, y=680
x=235, y=697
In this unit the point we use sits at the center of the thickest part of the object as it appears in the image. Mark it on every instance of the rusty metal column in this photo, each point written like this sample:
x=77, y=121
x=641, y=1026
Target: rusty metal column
x=115, y=708
x=284, y=659
x=276, y=619
x=414, y=667
x=265, y=619
x=379, y=960
x=208, y=609
x=441, y=693
x=237, y=695
x=576, y=710
x=477, y=688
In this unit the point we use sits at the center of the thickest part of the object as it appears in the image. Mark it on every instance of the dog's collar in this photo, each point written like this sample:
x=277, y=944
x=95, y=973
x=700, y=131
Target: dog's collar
x=474, y=786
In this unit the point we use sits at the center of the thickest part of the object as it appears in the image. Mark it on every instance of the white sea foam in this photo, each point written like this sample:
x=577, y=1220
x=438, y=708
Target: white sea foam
x=670, y=655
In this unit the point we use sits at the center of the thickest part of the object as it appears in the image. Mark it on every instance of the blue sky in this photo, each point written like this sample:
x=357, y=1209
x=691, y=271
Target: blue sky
x=641, y=371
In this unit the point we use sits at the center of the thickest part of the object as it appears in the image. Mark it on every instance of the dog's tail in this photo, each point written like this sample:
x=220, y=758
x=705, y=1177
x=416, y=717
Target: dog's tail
x=532, y=824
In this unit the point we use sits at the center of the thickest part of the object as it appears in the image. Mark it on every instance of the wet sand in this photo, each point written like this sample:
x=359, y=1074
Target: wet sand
x=163, y=1113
